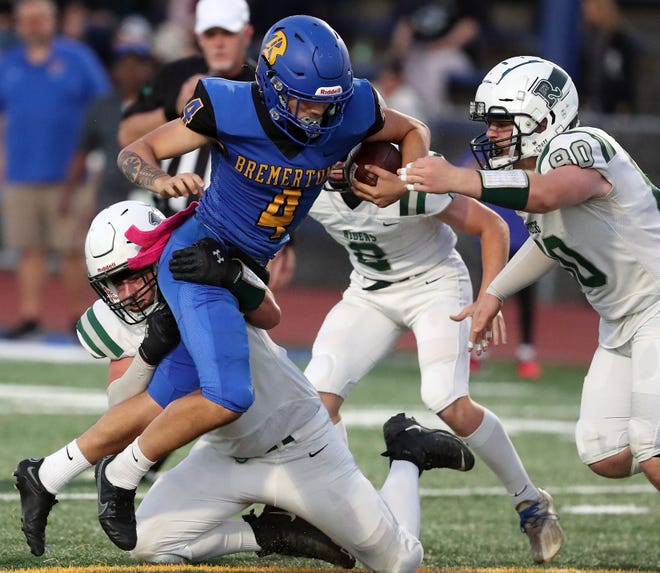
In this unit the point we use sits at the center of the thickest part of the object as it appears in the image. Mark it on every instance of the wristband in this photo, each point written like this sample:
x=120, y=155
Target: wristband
x=505, y=188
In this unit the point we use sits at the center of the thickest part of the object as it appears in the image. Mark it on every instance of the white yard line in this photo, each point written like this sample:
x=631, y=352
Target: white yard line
x=41, y=352
x=66, y=401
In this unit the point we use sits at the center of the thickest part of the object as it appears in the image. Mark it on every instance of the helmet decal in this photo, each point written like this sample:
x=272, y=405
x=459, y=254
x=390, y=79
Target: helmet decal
x=551, y=89
x=275, y=47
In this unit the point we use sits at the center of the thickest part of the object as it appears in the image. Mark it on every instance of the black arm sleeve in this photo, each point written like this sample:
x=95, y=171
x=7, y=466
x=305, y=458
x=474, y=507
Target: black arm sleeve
x=379, y=121
x=201, y=119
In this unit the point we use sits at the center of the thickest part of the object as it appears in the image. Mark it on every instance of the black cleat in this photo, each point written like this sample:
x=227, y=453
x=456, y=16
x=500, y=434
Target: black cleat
x=282, y=532
x=36, y=503
x=116, y=509
x=406, y=439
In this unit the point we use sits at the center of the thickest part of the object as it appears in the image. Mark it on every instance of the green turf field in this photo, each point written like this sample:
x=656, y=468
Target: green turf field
x=467, y=521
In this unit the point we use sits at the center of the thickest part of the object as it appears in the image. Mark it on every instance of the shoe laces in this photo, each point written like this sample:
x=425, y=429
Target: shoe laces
x=534, y=515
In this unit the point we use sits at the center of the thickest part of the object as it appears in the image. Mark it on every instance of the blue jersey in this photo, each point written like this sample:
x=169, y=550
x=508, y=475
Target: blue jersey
x=262, y=183
x=44, y=105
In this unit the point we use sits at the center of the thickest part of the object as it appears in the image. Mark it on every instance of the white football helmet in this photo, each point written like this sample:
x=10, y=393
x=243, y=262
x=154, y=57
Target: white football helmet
x=524, y=90
x=107, y=251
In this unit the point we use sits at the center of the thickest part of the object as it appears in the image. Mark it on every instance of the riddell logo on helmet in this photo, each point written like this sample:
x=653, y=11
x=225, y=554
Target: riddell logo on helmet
x=106, y=268
x=334, y=90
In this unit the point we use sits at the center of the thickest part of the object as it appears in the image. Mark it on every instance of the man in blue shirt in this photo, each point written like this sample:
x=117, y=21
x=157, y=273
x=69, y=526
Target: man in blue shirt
x=46, y=84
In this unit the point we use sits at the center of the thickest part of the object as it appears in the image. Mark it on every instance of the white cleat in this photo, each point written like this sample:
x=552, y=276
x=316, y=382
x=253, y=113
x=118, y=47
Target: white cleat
x=540, y=522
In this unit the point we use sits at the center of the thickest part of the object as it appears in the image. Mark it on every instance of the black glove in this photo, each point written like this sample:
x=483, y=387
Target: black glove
x=340, y=180
x=206, y=262
x=161, y=336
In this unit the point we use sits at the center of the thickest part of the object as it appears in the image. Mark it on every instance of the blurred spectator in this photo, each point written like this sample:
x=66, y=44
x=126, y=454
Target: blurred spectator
x=95, y=26
x=608, y=77
x=172, y=42
x=46, y=84
x=434, y=39
x=224, y=33
x=133, y=65
x=7, y=35
x=396, y=92
x=133, y=30
x=181, y=13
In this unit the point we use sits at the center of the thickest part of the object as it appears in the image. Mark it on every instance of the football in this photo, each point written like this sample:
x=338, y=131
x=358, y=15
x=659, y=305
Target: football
x=380, y=153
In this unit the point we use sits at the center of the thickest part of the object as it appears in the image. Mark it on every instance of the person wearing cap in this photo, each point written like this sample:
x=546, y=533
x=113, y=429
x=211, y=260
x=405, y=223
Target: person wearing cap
x=224, y=33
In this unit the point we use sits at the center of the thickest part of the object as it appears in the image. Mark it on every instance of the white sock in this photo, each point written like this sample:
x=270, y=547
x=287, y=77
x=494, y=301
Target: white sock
x=341, y=428
x=401, y=493
x=129, y=467
x=491, y=443
x=60, y=468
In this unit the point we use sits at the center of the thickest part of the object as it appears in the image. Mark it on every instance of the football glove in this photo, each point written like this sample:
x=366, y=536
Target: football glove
x=161, y=336
x=339, y=180
x=206, y=262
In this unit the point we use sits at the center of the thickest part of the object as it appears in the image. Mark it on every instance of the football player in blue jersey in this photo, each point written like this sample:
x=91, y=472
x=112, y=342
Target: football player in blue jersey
x=274, y=143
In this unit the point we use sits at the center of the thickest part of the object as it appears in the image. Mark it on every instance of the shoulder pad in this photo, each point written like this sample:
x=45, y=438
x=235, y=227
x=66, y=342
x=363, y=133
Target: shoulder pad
x=588, y=148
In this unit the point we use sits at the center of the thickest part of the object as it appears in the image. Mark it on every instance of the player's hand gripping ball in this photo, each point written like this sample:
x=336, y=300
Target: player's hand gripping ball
x=380, y=153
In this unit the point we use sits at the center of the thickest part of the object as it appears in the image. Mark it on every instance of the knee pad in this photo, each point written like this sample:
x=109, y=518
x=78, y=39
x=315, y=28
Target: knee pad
x=319, y=371
x=390, y=549
x=443, y=384
x=150, y=548
x=324, y=375
x=595, y=444
x=410, y=558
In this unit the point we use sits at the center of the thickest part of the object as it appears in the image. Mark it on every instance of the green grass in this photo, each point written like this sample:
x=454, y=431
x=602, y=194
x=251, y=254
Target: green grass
x=477, y=529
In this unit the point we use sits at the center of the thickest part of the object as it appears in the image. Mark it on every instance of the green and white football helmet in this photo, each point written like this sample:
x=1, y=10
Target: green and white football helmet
x=526, y=91
x=107, y=251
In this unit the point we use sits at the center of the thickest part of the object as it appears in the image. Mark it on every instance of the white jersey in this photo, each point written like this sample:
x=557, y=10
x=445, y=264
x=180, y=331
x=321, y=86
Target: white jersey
x=285, y=402
x=611, y=244
x=407, y=276
x=389, y=244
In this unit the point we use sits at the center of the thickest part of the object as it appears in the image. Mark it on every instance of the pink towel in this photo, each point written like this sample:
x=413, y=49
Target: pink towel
x=153, y=241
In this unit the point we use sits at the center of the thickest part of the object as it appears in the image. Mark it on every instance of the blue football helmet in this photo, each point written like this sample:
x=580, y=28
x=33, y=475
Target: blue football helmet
x=304, y=59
